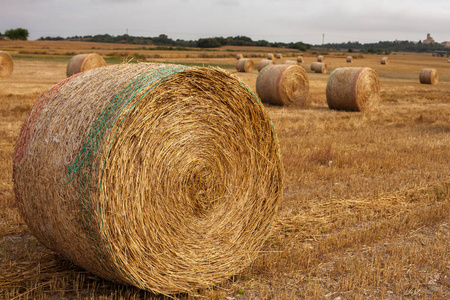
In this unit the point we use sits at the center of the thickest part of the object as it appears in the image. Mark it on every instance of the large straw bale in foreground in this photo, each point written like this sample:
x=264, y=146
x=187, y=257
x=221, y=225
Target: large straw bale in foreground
x=263, y=63
x=429, y=76
x=353, y=89
x=160, y=176
x=283, y=85
x=6, y=64
x=82, y=62
x=245, y=65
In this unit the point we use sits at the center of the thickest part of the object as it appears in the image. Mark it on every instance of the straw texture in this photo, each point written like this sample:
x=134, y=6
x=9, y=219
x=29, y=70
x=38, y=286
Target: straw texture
x=385, y=60
x=429, y=76
x=353, y=89
x=349, y=59
x=245, y=65
x=6, y=64
x=263, y=63
x=270, y=56
x=299, y=59
x=283, y=85
x=164, y=177
x=82, y=62
x=318, y=67
x=320, y=58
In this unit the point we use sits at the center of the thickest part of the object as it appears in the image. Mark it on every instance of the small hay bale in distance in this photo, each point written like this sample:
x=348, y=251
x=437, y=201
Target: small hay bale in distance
x=283, y=85
x=270, y=56
x=279, y=55
x=353, y=89
x=320, y=58
x=318, y=67
x=349, y=59
x=83, y=62
x=429, y=76
x=125, y=170
x=239, y=56
x=245, y=65
x=300, y=59
x=263, y=63
x=384, y=60
x=6, y=64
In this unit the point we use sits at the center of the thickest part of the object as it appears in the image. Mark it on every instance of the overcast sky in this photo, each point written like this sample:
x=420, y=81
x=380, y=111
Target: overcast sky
x=274, y=20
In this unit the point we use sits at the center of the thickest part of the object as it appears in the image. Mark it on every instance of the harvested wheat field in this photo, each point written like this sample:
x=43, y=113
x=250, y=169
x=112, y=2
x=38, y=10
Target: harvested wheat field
x=364, y=212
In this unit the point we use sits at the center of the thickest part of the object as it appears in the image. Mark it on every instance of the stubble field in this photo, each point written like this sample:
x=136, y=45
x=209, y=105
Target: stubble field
x=366, y=200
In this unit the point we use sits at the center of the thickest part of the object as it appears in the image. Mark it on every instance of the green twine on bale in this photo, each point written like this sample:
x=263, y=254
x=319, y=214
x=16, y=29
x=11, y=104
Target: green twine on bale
x=82, y=168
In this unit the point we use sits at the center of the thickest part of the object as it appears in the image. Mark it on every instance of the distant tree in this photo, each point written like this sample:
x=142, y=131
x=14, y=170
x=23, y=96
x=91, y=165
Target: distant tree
x=17, y=34
x=208, y=43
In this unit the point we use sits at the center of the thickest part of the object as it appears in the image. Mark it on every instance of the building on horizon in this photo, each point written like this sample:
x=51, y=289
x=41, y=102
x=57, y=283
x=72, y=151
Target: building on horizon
x=429, y=40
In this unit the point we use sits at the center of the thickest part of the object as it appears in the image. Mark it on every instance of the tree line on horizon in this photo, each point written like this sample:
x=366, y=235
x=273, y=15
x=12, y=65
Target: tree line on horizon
x=382, y=47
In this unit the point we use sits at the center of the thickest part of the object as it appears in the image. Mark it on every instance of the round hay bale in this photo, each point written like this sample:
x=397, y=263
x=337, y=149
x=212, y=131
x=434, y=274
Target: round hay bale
x=164, y=177
x=429, y=76
x=320, y=58
x=289, y=62
x=283, y=85
x=270, y=56
x=349, y=59
x=448, y=61
x=245, y=65
x=313, y=65
x=318, y=67
x=239, y=56
x=6, y=64
x=299, y=59
x=83, y=62
x=263, y=63
x=353, y=89
x=279, y=55
x=385, y=60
